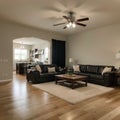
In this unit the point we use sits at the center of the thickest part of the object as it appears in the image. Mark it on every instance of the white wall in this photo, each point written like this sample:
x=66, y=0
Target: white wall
x=43, y=45
x=98, y=46
x=10, y=31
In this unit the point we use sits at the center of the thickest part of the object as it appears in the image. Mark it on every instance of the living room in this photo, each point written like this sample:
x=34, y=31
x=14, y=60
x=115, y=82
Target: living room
x=97, y=45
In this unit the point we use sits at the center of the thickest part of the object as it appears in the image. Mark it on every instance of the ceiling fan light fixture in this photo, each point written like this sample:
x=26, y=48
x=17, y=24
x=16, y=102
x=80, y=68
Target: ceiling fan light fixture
x=68, y=25
x=73, y=25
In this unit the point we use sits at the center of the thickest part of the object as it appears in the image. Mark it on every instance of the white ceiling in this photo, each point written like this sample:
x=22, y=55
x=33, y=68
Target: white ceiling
x=44, y=13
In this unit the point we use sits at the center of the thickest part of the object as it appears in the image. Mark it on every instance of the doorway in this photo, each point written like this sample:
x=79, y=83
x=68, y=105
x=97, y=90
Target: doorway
x=30, y=50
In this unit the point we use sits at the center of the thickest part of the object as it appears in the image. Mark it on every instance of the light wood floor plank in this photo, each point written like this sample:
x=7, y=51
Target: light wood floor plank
x=19, y=100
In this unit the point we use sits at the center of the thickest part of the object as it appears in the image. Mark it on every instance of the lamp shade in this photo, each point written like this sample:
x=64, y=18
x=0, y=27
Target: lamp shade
x=70, y=60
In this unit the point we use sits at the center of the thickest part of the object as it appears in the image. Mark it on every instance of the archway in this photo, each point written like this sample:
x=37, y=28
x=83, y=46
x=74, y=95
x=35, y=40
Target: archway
x=31, y=49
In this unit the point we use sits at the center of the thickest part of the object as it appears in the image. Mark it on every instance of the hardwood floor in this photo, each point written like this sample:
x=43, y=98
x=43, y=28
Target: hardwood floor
x=20, y=101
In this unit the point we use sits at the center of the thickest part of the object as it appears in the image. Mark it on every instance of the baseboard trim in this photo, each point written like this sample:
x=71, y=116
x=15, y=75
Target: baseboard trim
x=1, y=81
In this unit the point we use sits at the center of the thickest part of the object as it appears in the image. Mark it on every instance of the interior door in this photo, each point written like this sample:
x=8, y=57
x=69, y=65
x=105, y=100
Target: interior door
x=58, y=52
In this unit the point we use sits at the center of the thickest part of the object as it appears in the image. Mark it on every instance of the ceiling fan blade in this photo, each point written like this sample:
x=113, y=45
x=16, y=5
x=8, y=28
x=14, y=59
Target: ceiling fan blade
x=65, y=27
x=81, y=24
x=67, y=18
x=82, y=19
x=59, y=24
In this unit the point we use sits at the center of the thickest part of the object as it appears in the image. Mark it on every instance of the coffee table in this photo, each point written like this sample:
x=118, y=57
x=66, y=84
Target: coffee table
x=71, y=81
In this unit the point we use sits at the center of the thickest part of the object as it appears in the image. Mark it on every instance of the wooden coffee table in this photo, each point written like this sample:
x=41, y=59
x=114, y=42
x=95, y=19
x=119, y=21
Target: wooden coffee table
x=71, y=80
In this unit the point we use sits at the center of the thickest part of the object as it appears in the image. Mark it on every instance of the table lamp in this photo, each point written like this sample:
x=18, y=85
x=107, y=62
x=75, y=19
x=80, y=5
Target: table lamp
x=70, y=66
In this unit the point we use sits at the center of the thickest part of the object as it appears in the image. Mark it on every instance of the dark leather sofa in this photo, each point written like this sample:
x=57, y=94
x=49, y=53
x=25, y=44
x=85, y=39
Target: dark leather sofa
x=35, y=76
x=95, y=76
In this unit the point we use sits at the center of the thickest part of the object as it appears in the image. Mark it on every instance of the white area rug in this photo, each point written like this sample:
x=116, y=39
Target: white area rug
x=73, y=95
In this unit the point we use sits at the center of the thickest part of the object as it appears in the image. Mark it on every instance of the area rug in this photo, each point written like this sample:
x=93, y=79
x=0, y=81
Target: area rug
x=73, y=95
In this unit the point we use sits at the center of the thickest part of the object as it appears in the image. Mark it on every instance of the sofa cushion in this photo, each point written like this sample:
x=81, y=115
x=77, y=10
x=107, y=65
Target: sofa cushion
x=76, y=68
x=48, y=74
x=45, y=68
x=52, y=65
x=92, y=69
x=81, y=73
x=38, y=68
x=83, y=68
x=51, y=69
x=106, y=69
x=97, y=77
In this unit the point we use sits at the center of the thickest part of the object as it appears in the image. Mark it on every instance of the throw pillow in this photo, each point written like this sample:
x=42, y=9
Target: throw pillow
x=76, y=68
x=51, y=69
x=38, y=68
x=106, y=69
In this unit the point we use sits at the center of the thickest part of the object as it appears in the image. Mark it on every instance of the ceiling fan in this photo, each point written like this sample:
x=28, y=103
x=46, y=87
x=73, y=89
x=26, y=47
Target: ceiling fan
x=71, y=22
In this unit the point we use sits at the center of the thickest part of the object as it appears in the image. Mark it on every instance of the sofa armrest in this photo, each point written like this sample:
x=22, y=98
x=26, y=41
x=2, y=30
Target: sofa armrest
x=33, y=76
x=109, y=78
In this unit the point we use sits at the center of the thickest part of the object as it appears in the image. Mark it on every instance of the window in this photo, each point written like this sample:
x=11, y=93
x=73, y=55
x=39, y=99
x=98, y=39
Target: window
x=20, y=54
x=46, y=53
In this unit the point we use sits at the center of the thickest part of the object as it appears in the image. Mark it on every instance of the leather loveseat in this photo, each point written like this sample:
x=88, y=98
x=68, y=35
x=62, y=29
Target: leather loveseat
x=35, y=76
x=94, y=72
